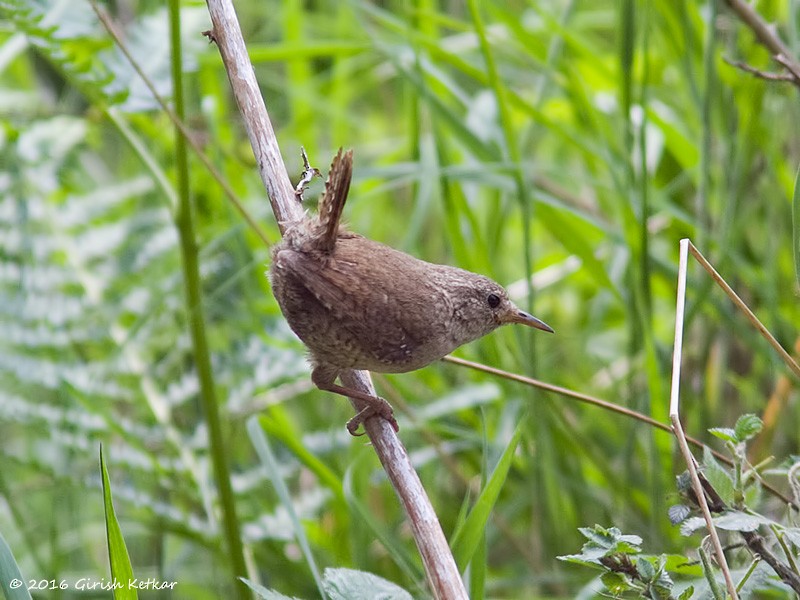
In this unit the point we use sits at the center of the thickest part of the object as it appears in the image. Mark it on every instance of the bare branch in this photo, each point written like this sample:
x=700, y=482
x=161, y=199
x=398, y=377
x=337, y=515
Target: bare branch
x=767, y=35
x=440, y=566
x=758, y=72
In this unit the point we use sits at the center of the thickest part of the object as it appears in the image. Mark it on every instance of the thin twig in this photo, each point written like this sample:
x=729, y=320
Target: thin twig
x=610, y=406
x=185, y=132
x=790, y=65
x=766, y=35
x=758, y=72
x=757, y=545
x=562, y=391
x=740, y=304
x=440, y=567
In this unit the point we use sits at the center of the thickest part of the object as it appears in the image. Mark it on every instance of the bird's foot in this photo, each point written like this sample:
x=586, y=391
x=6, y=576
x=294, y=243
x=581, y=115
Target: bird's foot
x=377, y=407
x=373, y=406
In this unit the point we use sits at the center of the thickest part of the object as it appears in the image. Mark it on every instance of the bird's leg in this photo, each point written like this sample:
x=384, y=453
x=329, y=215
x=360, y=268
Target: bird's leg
x=324, y=376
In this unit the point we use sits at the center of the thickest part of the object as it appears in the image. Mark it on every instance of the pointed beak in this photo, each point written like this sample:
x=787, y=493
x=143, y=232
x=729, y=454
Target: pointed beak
x=523, y=318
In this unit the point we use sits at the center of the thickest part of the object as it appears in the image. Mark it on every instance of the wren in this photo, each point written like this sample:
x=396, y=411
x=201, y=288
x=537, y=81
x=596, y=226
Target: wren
x=358, y=304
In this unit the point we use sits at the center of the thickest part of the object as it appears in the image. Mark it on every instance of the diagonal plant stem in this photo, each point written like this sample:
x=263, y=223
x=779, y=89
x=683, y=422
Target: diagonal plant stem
x=740, y=304
x=754, y=541
x=180, y=125
x=605, y=405
x=440, y=567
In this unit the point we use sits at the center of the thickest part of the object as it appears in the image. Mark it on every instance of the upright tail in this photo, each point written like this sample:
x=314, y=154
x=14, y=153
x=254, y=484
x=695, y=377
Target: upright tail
x=331, y=204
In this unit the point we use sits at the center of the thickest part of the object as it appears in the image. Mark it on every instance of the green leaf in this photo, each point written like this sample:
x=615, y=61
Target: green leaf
x=679, y=564
x=615, y=582
x=121, y=569
x=350, y=584
x=645, y=569
x=735, y=520
x=747, y=426
x=677, y=513
x=466, y=539
x=569, y=230
x=687, y=593
x=264, y=593
x=582, y=559
x=270, y=463
x=9, y=572
x=717, y=476
x=793, y=535
x=724, y=433
x=689, y=526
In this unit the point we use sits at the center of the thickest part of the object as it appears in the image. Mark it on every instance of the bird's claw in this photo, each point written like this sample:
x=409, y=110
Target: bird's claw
x=379, y=408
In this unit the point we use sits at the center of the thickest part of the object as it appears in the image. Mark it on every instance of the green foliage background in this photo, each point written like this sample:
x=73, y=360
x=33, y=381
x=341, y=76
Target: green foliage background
x=576, y=141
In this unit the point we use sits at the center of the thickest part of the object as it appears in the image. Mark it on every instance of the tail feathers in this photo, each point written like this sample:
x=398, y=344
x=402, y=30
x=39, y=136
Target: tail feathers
x=333, y=198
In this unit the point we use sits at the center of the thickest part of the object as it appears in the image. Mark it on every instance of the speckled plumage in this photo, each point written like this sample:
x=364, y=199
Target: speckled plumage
x=358, y=304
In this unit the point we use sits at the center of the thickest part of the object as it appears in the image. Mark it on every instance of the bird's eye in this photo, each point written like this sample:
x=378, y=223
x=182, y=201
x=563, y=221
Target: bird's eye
x=493, y=300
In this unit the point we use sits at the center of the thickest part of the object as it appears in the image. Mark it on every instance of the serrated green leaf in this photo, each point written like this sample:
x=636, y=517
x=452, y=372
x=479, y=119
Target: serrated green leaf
x=631, y=540
x=747, y=426
x=687, y=593
x=735, y=520
x=615, y=582
x=350, y=584
x=717, y=476
x=623, y=547
x=601, y=537
x=663, y=583
x=793, y=535
x=677, y=513
x=598, y=539
x=120, y=562
x=266, y=594
x=581, y=559
x=689, y=526
x=723, y=433
x=645, y=569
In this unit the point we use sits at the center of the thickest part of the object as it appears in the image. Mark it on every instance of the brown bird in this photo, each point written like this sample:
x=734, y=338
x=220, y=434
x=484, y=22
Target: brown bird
x=358, y=304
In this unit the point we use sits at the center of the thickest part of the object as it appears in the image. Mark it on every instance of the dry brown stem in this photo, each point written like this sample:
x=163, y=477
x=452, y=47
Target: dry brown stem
x=440, y=566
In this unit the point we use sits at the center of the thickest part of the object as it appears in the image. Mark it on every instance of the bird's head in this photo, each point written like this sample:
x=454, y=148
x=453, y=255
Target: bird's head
x=480, y=306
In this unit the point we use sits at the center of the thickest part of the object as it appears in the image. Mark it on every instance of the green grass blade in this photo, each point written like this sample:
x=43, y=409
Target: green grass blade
x=370, y=522
x=477, y=567
x=468, y=537
x=264, y=451
x=279, y=428
x=9, y=571
x=572, y=233
x=118, y=559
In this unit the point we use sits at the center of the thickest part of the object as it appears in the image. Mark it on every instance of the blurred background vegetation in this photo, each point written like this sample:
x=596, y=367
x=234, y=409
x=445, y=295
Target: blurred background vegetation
x=573, y=141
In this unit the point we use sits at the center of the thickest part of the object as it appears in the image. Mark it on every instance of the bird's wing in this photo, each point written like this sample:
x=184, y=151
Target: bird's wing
x=329, y=287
